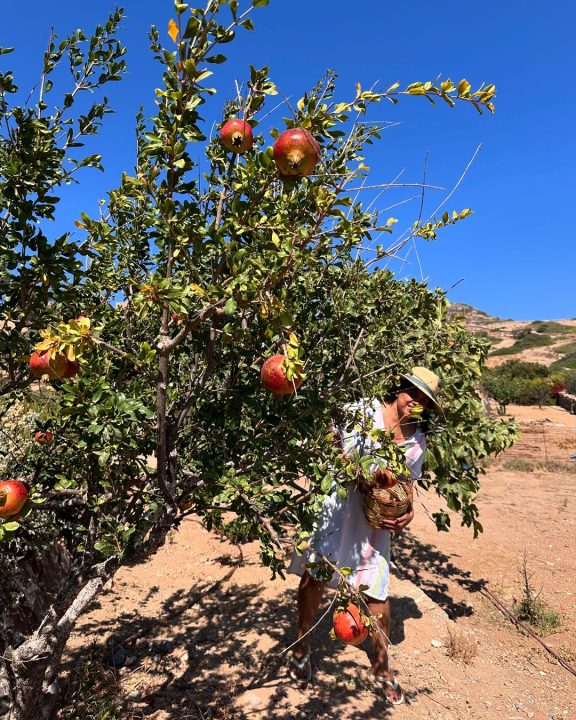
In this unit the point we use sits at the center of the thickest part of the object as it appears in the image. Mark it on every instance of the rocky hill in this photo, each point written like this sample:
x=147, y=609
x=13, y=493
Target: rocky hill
x=549, y=342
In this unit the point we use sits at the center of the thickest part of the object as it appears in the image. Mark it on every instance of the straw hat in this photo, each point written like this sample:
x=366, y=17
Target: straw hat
x=426, y=381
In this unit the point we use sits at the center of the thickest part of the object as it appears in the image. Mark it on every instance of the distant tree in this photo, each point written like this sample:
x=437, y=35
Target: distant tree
x=570, y=382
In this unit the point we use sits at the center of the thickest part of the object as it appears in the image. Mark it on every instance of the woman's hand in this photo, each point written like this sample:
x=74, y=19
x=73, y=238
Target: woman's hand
x=395, y=525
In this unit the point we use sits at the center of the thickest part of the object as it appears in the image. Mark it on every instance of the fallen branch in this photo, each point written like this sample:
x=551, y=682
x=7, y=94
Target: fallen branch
x=504, y=610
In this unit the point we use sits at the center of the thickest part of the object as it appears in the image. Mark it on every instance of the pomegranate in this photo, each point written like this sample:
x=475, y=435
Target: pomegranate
x=72, y=368
x=349, y=625
x=384, y=478
x=296, y=153
x=13, y=496
x=237, y=135
x=44, y=363
x=44, y=438
x=274, y=376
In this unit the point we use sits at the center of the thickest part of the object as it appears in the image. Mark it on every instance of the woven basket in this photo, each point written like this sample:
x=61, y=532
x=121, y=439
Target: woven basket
x=387, y=503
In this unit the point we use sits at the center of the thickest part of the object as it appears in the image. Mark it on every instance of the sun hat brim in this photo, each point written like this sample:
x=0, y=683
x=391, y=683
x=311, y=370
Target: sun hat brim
x=421, y=385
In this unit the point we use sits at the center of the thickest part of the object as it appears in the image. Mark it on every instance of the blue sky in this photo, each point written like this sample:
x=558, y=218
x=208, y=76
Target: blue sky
x=516, y=256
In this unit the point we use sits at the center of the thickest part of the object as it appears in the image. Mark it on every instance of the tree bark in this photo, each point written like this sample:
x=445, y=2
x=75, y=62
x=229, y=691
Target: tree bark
x=31, y=669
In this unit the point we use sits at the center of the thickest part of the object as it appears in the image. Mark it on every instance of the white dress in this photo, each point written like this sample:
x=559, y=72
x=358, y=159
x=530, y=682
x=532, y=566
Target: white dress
x=342, y=533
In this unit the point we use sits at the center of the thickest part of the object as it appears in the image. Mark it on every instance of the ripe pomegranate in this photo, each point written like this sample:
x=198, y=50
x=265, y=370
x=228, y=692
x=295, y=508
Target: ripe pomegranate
x=237, y=135
x=42, y=364
x=349, y=625
x=296, y=153
x=44, y=438
x=274, y=377
x=13, y=496
x=384, y=478
x=72, y=368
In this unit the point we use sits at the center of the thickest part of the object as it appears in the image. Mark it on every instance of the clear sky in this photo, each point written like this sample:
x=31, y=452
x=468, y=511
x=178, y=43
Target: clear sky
x=516, y=256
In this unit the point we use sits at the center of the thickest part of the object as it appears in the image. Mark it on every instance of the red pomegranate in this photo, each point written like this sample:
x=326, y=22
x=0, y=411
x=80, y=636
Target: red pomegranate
x=72, y=368
x=384, y=478
x=13, y=496
x=237, y=135
x=42, y=363
x=296, y=153
x=349, y=625
x=274, y=377
x=44, y=438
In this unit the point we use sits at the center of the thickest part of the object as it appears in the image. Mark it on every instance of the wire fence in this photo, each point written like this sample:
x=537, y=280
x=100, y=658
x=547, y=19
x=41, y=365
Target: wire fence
x=544, y=441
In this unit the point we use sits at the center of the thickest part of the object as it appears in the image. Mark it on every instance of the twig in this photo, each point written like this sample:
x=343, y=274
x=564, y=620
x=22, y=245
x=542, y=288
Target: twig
x=504, y=610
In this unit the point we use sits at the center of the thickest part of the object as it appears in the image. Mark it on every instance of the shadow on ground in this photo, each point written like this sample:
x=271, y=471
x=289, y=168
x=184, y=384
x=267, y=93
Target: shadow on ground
x=433, y=572
x=215, y=652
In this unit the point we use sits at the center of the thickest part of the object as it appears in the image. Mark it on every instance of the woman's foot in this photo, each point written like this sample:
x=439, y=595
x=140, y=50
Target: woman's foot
x=300, y=667
x=391, y=688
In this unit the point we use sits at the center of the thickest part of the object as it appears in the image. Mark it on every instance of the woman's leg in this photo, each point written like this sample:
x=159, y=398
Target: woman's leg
x=380, y=640
x=310, y=593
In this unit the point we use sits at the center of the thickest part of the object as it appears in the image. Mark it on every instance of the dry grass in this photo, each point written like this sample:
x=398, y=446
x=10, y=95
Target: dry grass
x=460, y=645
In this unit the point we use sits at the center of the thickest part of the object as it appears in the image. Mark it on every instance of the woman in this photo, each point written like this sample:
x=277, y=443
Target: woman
x=346, y=539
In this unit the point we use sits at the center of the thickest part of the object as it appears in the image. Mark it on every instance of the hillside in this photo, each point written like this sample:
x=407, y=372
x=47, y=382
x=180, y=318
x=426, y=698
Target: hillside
x=549, y=342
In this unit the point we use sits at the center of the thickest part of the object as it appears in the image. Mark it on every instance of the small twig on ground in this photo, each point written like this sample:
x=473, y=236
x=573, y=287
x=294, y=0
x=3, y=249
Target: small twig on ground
x=524, y=628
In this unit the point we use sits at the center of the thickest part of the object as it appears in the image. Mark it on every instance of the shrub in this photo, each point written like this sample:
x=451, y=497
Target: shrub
x=526, y=342
x=568, y=362
x=530, y=608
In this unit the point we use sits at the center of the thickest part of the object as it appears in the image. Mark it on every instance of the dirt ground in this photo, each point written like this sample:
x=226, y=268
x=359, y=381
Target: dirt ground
x=200, y=630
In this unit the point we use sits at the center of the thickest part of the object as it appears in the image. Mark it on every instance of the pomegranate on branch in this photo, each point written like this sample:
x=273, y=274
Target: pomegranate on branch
x=349, y=625
x=44, y=437
x=13, y=497
x=53, y=364
x=237, y=136
x=296, y=153
x=280, y=375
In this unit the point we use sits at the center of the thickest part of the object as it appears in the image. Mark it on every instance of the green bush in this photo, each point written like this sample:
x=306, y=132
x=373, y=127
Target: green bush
x=570, y=382
x=568, y=348
x=568, y=362
x=518, y=382
x=525, y=342
x=551, y=326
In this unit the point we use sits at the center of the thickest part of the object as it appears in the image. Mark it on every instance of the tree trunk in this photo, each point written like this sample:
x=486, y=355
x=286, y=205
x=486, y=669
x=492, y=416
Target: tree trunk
x=29, y=674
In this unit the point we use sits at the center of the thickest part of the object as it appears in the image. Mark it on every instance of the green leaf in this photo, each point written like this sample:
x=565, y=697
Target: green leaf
x=230, y=307
x=11, y=526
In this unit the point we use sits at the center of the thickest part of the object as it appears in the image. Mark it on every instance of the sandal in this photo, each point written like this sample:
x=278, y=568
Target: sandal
x=393, y=685
x=300, y=670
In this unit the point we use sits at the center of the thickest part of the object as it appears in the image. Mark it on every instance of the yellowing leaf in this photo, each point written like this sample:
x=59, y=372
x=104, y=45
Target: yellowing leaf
x=79, y=224
x=173, y=30
x=341, y=107
x=197, y=290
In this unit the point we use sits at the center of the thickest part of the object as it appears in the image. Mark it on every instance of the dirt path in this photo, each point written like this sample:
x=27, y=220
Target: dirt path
x=201, y=627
